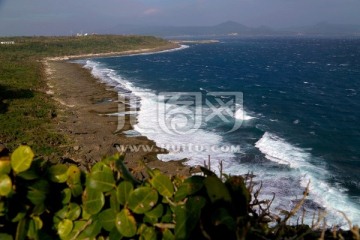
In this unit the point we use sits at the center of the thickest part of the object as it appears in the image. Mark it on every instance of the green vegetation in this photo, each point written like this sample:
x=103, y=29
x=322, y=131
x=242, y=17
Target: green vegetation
x=26, y=112
x=39, y=47
x=43, y=201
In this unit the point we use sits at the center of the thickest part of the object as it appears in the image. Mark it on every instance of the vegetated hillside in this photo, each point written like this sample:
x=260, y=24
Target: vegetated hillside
x=26, y=112
x=38, y=47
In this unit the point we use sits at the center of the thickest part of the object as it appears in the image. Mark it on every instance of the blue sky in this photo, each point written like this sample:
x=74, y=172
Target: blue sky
x=24, y=17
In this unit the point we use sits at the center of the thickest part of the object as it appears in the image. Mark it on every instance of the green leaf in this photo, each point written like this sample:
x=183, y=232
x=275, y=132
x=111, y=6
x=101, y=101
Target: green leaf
x=76, y=190
x=29, y=174
x=142, y=199
x=66, y=195
x=5, y=185
x=21, y=229
x=5, y=167
x=190, y=186
x=78, y=227
x=74, y=180
x=19, y=216
x=92, y=230
x=38, y=222
x=58, y=173
x=182, y=222
x=64, y=228
x=107, y=219
x=73, y=211
x=74, y=174
x=123, y=191
x=125, y=223
x=114, y=201
x=157, y=212
x=84, y=214
x=167, y=235
x=115, y=234
x=21, y=159
x=38, y=191
x=98, y=166
x=4, y=236
x=101, y=179
x=34, y=171
x=147, y=233
x=93, y=201
x=216, y=189
x=163, y=184
x=32, y=232
x=150, y=220
x=187, y=216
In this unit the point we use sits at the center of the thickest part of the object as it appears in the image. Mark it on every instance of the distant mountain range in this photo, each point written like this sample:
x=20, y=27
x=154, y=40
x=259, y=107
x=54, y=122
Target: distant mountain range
x=234, y=29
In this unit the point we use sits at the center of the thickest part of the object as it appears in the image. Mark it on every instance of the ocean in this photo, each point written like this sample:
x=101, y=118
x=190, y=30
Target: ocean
x=286, y=109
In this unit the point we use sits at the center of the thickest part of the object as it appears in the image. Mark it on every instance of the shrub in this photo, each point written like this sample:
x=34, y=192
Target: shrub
x=43, y=201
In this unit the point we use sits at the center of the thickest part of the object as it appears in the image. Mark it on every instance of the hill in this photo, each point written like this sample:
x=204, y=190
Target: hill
x=234, y=29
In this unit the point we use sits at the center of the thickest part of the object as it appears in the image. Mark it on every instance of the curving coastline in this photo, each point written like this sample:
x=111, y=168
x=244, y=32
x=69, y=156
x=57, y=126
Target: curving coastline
x=83, y=102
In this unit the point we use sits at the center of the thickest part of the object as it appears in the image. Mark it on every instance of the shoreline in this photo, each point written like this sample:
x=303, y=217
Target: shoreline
x=82, y=108
x=171, y=46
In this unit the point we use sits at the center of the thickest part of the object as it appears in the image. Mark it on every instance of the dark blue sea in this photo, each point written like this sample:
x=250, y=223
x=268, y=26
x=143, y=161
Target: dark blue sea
x=294, y=104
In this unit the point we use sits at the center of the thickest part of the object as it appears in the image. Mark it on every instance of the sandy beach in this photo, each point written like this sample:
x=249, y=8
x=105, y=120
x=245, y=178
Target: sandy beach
x=83, y=103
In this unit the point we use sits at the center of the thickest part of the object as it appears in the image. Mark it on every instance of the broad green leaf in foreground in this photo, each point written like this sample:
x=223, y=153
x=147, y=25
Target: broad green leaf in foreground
x=187, y=216
x=125, y=223
x=216, y=189
x=93, y=201
x=101, y=179
x=38, y=191
x=92, y=230
x=58, y=173
x=190, y=186
x=142, y=199
x=163, y=184
x=147, y=233
x=4, y=236
x=123, y=191
x=5, y=167
x=64, y=227
x=5, y=185
x=107, y=219
x=21, y=159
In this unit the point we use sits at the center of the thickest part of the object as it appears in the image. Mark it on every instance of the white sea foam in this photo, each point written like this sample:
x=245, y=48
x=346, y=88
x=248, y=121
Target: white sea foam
x=148, y=123
x=278, y=150
x=182, y=47
x=240, y=114
x=175, y=143
x=330, y=197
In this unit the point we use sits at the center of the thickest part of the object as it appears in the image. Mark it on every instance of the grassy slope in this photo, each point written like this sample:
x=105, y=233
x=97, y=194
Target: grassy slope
x=25, y=110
